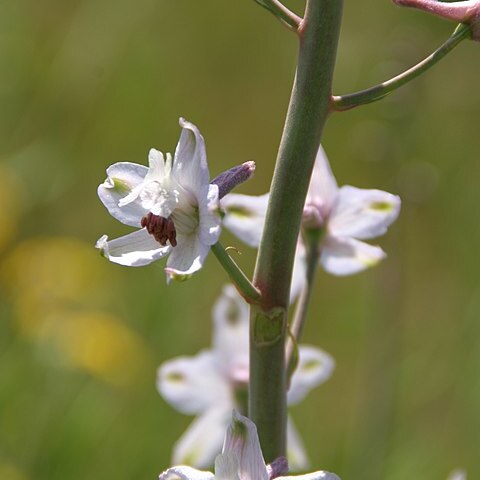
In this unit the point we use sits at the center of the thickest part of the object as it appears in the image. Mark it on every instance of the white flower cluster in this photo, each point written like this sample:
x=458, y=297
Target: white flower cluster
x=211, y=384
x=178, y=211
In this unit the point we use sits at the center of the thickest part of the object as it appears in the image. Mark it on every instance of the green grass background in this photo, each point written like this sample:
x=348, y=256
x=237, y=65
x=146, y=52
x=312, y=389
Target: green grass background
x=86, y=83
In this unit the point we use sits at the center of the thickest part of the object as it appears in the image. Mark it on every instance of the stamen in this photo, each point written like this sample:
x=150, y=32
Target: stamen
x=162, y=229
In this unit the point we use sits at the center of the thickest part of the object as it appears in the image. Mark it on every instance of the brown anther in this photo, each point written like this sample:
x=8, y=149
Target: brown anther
x=162, y=229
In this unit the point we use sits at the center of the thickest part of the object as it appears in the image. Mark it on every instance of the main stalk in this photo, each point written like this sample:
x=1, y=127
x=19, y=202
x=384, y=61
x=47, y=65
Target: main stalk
x=307, y=113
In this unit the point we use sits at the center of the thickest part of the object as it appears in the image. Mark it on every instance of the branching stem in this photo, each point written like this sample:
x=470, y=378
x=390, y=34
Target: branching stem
x=286, y=16
x=236, y=274
x=352, y=100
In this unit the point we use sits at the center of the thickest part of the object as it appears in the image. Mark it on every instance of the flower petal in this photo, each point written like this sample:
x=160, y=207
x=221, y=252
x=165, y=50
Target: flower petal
x=226, y=467
x=190, y=167
x=242, y=440
x=345, y=256
x=245, y=216
x=186, y=258
x=185, y=473
x=136, y=249
x=363, y=214
x=299, y=274
x=296, y=454
x=320, y=475
x=193, y=384
x=122, y=178
x=231, y=334
x=323, y=188
x=209, y=227
x=203, y=439
x=155, y=172
x=314, y=367
x=158, y=168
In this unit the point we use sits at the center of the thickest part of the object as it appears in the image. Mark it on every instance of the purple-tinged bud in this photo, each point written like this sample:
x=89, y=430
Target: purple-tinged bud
x=312, y=217
x=232, y=177
x=277, y=468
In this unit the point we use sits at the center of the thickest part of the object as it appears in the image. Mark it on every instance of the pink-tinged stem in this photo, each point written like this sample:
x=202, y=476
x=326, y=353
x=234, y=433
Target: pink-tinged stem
x=457, y=11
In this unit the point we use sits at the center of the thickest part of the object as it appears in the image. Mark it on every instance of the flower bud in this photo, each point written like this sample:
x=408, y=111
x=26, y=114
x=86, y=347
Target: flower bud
x=234, y=176
x=312, y=217
x=277, y=468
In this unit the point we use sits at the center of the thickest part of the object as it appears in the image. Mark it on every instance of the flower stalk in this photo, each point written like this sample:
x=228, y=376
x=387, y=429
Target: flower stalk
x=286, y=16
x=372, y=94
x=312, y=244
x=307, y=113
x=236, y=274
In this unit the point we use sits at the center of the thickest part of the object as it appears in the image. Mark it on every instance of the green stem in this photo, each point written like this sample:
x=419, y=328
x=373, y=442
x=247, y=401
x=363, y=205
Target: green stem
x=298, y=322
x=239, y=279
x=286, y=16
x=345, y=102
x=307, y=113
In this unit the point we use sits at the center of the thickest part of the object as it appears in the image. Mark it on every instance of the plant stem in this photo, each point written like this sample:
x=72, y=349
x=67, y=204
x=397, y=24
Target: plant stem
x=307, y=113
x=286, y=16
x=346, y=102
x=239, y=279
x=296, y=325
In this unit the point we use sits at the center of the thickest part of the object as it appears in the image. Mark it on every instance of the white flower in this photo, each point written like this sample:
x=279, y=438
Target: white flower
x=210, y=384
x=346, y=216
x=241, y=459
x=172, y=203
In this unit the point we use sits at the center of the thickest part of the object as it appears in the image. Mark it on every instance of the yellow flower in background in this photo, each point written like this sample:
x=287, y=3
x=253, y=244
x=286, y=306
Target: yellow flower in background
x=10, y=472
x=57, y=286
x=96, y=342
x=53, y=270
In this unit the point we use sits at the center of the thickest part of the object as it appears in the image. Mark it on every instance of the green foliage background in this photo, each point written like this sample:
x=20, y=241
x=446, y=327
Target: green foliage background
x=86, y=83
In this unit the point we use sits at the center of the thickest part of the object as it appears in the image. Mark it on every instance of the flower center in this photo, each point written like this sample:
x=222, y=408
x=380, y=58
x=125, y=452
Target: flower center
x=162, y=229
x=158, y=198
x=186, y=218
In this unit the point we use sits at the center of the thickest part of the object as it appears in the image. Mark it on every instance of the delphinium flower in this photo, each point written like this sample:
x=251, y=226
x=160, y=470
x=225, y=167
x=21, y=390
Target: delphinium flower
x=241, y=459
x=172, y=204
x=345, y=215
x=213, y=382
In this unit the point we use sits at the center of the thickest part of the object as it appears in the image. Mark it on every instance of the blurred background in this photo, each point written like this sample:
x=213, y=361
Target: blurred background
x=87, y=83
